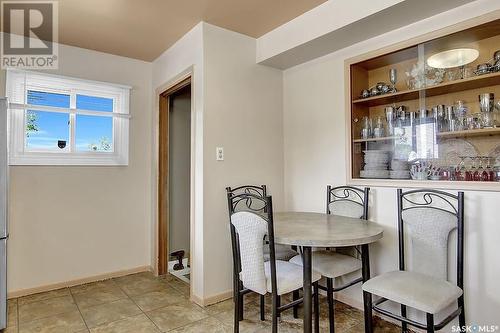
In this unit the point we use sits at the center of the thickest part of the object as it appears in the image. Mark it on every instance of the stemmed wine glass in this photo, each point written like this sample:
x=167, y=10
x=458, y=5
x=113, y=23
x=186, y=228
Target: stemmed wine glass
x=483, y=174
x=475, y=175
x=489, y=170
x=460, y=169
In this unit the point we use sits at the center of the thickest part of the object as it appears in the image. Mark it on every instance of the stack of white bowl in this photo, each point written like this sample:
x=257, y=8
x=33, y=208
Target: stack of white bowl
x=376, y=163
x=400, y=169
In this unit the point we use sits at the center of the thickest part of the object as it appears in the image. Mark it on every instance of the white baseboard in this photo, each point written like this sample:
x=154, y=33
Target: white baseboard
x=76, y=282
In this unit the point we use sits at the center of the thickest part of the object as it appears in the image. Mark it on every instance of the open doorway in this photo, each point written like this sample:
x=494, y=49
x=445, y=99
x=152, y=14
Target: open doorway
x=174, y=187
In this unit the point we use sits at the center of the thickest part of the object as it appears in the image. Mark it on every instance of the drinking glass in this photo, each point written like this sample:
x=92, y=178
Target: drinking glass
x=483, y=173
x=487, y=120
x=490, y=171
x=366, y=131
x=393, y=77
x=460, y=171
x=378, y=131
x=451, y=75
x=474, y=172
x=460, y=110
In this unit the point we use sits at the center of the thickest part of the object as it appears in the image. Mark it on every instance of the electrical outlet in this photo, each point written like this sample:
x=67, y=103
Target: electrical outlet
x=219, y=153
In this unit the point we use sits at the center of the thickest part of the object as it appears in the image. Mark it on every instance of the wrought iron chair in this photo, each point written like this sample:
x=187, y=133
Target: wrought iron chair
x=251, y=272
x=346, y=201
x=425, y=218
x=282, y=252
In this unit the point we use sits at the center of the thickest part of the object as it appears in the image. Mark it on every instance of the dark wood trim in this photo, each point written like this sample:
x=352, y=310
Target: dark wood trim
x=163, y=173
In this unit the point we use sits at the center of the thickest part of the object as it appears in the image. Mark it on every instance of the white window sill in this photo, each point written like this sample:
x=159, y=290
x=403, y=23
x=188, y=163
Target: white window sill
x=45, y=159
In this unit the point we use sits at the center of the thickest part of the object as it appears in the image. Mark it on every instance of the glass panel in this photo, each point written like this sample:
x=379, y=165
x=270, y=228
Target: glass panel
x=47, y=131
x=48, y=99
x=431, y=111
x=94, y=133
x=94, y=103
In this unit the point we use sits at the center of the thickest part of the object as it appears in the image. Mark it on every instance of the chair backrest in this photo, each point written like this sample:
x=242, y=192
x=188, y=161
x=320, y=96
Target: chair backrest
x=248, y=229
x=347, y=201
x=426, y=218
x=249, y=205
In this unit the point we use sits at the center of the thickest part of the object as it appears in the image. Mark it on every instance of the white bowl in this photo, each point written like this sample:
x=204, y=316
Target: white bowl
x=397, y=165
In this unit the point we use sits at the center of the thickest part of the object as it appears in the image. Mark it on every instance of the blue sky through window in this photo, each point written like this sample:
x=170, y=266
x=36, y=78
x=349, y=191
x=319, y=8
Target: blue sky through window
x=51, y=127
x=45, y=129
x=48, y=99
x=94, y=103
x=94, y=133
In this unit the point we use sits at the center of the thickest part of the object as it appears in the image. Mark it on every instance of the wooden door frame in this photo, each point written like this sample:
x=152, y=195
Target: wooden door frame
x=163, y=172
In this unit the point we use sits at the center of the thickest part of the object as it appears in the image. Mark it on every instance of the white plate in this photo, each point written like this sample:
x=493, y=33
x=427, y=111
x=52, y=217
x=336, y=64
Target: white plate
x=399, y=177
x=375, y=166
x=399, y=174
x=374, y=173
x=378, y=160
x=376, y=151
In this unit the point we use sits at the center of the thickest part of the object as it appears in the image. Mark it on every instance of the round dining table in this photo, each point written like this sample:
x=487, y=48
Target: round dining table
x=308, y=230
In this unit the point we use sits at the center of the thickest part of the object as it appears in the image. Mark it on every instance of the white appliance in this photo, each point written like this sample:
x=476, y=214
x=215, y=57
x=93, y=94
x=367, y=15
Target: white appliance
x=4, y=234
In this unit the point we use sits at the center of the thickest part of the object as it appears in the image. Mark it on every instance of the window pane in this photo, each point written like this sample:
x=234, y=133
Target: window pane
x=48, y=99
x=94, y=133
x=47, y=130
x=93, y=103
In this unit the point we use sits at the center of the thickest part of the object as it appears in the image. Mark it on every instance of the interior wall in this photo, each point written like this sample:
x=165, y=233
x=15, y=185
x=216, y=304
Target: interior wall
x=179, y=144
x=185, y=57
x=74, y=222
x=315, y=155
x=242, y=114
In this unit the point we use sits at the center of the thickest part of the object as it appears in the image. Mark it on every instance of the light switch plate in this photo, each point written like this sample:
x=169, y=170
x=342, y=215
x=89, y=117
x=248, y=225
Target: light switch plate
x=219, y=153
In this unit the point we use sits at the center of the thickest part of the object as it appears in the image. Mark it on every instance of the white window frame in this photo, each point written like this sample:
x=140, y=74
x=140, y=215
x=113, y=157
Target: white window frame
x=17, y=85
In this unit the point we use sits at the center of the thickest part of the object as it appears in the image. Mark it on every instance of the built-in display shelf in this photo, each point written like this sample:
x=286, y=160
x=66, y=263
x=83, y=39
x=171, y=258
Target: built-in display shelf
x=474, y=82
x=455, y=134
x=470, y=133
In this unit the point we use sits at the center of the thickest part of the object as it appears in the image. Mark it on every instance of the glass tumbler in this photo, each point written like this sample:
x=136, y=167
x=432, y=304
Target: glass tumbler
x=366, y=130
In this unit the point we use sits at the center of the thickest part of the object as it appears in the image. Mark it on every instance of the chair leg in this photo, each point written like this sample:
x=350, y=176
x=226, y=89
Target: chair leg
x=295, y=296
x=240, y=301
x=316, y=307
x=275, y=312
x=279, y=304
x=430, y=323
x=331, y=304
x=236, y=307
x=367, y=297
x=262, y=307
x=461, y=317
x=404, y=325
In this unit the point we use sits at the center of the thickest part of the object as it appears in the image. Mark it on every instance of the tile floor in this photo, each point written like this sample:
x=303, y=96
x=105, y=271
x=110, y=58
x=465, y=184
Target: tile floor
x=143, y=303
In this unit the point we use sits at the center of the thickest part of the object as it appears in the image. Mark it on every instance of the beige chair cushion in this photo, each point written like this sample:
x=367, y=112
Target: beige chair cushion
x=289, y=277
x=416, y=290
x=282, y=252
x=331, y=264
